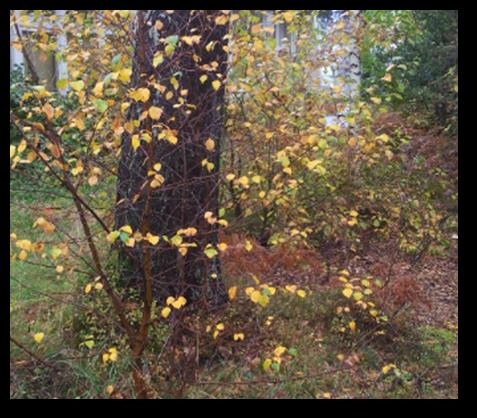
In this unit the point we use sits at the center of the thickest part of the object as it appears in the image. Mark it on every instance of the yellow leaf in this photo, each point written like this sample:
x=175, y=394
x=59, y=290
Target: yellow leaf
x=113, y=354
x=291, y=288
x=347, y=292
x=383, y=137
x=38, y=337
x=220, y=326
x=59, y=269
x=248, y=245
x=354, y=213
x=112, y=236
x=334, y=127
x=158, y=59
x=312, y=164
x=279, y=351
x=352, y=326
x=48, y=110
x=135, y=142
x=376, y=100
x=388, y=367
x=190, y=40
x=340, y=357
x=155, y=112
x=263, y=300
x=249, y=291
x=327, y=395
x=232, y=292
x=125, y=75
x=77, y=85
x=98, y=89
x=179, y=302
x=98, y=286
x=157, y=181
x=373, y=313
x=203, y=78
x=153, y=239
x=255, y=296
x=216, y=84
x=24, y=244
x=223, y=222
x=23, y=255
x=13, y=150
x=141, y=94
x=352, y=222
x=221, y=20
x=357, y=296
x=266, y=364
x=127, y=229
x=239, y=336
x=109, y=389
x=288, y=16
x=165, y=312
x=301, y=293
x=88, y=288
x=210, y=144
x=388, y=77
x=243, y=180
x=188, y=232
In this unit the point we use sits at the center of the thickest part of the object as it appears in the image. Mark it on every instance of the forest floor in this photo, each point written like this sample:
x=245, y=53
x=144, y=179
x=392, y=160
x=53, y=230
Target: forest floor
x=322, y=364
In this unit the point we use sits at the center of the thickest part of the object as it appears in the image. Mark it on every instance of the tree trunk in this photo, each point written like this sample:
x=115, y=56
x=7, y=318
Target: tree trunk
x=192, y=112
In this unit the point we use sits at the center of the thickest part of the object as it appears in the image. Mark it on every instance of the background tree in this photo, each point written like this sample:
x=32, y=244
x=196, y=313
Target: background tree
x=168, y=170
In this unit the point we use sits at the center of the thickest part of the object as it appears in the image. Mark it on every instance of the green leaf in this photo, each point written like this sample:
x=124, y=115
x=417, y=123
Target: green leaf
x=55, y=253
x=210, y=252
x=293, y=351
x=62, y=84
x=123, y=236
x=89, y=344
x=172, y=40
x=176, y=240
x=101, y=105
x=116, y=60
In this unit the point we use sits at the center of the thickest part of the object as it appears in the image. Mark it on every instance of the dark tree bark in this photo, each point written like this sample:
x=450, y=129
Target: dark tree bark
x=189, y=189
